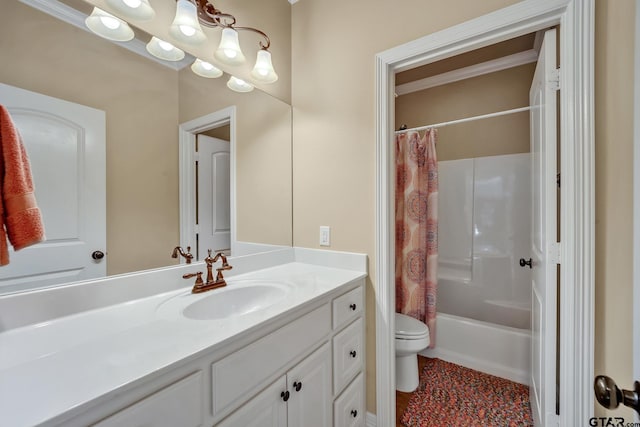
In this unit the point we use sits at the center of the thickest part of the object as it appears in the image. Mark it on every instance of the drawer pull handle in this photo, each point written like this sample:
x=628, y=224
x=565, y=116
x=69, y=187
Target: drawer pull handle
x=352, y=307
x=297, y=385
x=353, y=353
x=354, y=413
x=285, y=395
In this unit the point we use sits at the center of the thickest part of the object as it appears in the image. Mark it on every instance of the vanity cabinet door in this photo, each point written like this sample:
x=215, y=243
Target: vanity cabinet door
x=180, y=404
x=309, y=383
x=267, y=409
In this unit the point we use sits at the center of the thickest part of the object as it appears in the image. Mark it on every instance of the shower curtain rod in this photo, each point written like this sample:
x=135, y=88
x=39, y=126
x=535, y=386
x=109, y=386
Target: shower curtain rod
x=469, y=119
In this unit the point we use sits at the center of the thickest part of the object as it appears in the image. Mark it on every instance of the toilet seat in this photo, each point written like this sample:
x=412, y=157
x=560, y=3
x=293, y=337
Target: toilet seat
x=408, y=328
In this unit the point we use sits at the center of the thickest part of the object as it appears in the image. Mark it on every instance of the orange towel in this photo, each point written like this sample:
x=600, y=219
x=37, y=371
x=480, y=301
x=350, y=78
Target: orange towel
x=19, y=214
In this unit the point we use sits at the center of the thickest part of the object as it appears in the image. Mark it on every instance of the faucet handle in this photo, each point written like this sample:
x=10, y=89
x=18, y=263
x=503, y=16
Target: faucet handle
x=197, y=275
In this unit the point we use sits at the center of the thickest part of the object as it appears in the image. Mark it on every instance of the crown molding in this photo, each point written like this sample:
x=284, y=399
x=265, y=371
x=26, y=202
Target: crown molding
x=476, y=70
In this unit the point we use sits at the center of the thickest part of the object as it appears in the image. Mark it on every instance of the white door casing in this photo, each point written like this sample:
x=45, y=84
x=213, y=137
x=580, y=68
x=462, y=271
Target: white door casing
x=65, y=143
x=187, y=135
x=542, y=98
x=214, y=186
x=636, y=205
x=576, y=35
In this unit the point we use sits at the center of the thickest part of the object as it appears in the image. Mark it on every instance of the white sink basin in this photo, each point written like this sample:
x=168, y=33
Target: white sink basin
x=236, y=299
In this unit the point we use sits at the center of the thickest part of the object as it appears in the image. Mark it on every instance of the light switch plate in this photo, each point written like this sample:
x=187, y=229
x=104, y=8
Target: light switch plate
x=325, y=235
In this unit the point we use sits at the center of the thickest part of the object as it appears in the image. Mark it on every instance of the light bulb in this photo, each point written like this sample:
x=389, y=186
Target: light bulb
x=108, y=26
x=263, y=70
x=185, y=26
x=205, y=69
x=164, y=50
x=139, y=10
x=239, y=85
x=229, y=51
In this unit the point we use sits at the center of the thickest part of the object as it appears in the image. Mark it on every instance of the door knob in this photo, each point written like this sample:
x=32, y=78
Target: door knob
x=97, y=255
x=610, y=396
x=524, y=262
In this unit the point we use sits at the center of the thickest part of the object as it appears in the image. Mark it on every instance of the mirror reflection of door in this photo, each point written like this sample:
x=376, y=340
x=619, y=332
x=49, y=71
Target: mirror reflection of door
x=65, y=143
x=213, y=185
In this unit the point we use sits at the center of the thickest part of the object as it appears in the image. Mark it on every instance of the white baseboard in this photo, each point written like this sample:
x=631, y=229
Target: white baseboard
x=371, y=420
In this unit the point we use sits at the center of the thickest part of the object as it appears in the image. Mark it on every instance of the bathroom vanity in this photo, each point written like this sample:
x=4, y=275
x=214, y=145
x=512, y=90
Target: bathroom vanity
x=282, y=344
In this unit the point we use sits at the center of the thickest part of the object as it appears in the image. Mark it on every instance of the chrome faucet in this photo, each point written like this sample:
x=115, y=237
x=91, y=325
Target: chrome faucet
x=219, y=282
x=186, y=255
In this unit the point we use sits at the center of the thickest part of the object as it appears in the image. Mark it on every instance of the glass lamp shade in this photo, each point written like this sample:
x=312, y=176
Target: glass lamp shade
x=164, y=50
x=229, y=49
x=239, y=85
x=205, y=69
x=263, y=70
x=185, y=26
x=108, y=26
x=139, y=10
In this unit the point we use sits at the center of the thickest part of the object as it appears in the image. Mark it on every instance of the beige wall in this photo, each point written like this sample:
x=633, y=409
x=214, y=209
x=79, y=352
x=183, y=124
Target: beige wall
x=334, y=115
x=263, y=141
x=141, y=104
x=614, y=197
x=493, y=92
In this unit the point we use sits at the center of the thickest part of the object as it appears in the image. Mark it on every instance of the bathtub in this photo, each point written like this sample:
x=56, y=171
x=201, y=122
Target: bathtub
x=498, y=350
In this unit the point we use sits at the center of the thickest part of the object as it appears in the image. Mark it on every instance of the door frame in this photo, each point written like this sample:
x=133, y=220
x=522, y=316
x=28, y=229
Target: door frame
x=186, y=141
x=577, y=209
x=636, y=203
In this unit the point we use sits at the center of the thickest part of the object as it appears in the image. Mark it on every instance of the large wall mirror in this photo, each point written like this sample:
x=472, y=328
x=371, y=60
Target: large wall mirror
x=145, y=102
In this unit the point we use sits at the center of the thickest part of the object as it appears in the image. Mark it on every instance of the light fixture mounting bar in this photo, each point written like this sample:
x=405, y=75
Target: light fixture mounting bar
x=211, y=17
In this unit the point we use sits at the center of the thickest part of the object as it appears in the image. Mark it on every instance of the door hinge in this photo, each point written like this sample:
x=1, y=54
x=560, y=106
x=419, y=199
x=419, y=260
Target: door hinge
x=554, y=82
x=558, y=180
x=196, y=157
x=553, y=255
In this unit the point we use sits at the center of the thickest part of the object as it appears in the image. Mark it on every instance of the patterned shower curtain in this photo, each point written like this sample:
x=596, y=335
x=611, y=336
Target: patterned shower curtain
x=417, y=227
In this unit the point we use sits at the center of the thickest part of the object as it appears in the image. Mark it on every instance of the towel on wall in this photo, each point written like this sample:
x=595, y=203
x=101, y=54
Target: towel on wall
x=20, y=218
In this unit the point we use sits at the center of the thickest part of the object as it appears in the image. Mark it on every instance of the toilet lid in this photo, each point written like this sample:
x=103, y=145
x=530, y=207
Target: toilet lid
x=407, y=326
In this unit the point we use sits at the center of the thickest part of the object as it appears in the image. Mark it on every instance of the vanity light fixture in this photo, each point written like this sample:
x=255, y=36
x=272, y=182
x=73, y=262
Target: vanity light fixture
x=164, y=50
x=108, y=26
x=185, y=26
x=229, y=51
x=239, y=85
x=139, y=10
x=205, y=69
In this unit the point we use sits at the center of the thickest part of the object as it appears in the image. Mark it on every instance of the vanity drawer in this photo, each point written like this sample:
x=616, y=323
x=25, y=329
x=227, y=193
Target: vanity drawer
x=348, y=409
x=347, y=307
x=180, y=404
x=236, y=377
x=347, y=355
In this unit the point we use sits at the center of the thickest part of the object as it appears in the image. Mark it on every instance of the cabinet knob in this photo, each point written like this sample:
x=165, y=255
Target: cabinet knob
x=285, y=395
x=524, y=262
x=297, y=385
x=353, y=353
x=354, y=413
x=352, y=307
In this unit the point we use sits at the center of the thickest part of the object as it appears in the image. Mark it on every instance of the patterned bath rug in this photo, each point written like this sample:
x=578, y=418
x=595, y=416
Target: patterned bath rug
x=450, y=395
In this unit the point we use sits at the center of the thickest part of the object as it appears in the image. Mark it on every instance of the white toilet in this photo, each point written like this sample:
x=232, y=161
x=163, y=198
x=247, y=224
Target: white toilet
x=412, y=336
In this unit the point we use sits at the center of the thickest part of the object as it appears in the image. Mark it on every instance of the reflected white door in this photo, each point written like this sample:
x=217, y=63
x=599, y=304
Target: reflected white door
x=214, y=212
x=65, y=143
x=542, y=97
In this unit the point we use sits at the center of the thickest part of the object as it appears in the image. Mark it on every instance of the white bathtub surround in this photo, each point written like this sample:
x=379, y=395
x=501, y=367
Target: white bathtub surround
x=116, y=339
x=496, y=289
x=494, y=349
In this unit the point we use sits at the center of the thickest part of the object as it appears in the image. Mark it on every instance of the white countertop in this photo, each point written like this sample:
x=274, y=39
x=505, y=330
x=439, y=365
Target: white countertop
x=53, y=367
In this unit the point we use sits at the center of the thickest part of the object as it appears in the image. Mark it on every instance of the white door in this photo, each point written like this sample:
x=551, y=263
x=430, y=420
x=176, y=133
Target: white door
x=310, y=386
x=65, y=143
x=214, y=190
x=542, y=98
x=267, y=409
